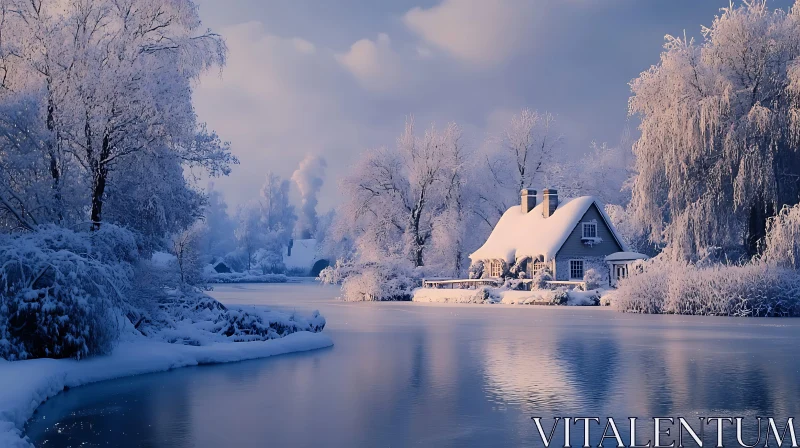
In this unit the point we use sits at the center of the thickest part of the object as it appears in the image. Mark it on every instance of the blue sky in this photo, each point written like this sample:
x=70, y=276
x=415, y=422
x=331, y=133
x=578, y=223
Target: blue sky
x=334, y=78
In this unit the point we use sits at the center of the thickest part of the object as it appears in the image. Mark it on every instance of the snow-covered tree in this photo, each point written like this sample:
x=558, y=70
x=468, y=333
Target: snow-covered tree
x=525, y=156
x=277, y=212
x=114, y=81
x=394, y=197
x=720, y=124
x=187, y=247
x=249, y=232
x=220, y=238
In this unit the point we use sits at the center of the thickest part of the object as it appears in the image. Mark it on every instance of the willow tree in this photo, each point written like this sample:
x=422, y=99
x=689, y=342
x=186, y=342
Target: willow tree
x=720, y=127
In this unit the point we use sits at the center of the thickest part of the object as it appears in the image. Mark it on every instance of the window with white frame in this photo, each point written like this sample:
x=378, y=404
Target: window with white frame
x=496, y=268
x=590, y=230
x=576, y=269
x=535, y=267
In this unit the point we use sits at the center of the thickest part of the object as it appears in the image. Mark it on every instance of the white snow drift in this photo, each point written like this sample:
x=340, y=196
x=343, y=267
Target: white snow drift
x=24, y=385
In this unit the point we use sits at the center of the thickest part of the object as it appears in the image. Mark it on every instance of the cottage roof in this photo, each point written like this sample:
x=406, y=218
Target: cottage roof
x=518, y=235
x=304, y=254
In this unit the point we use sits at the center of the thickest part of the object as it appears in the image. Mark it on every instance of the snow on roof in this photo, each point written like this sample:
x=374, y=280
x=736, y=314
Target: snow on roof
x=519, y=235
x=626, y=256
x=304, y=254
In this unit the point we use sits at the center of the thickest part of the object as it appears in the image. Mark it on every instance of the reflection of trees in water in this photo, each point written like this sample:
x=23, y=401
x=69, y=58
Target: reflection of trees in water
x=591, y=365
x=644, y=367
x=527, y=373
x=683, y=369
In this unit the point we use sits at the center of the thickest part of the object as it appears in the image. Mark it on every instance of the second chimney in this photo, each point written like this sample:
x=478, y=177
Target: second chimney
x=549, y=202
x=528, y=201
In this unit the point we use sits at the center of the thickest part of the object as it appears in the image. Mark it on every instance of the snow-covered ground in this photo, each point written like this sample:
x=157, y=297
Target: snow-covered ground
x=24, y=385
x=500, y=295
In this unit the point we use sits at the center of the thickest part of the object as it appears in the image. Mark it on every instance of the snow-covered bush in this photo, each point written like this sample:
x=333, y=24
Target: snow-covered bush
x=541, y=278
x=245, y=277
x=61, y=291
x=330, y=275
x=514, y=284
x=782, y=244
x=390, y=280
x=755, y=289
x=269, y=260
x=188, y=316
x=519, y=268
x=593, y=279
x=476, y=270
x=560, y=297
x=482, y=295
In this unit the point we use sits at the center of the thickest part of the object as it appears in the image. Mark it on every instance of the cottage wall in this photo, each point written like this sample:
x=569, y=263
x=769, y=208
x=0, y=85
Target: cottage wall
x=575, y=248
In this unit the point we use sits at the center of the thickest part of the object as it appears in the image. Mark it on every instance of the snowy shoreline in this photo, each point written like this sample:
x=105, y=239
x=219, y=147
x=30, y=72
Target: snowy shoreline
x=24, y=385
x=507, y=297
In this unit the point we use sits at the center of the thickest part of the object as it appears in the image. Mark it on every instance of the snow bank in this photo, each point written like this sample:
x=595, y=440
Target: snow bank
x=488, y=295
x=24, y=385
x=212, y=276
x=430, y=295
x=755, y=289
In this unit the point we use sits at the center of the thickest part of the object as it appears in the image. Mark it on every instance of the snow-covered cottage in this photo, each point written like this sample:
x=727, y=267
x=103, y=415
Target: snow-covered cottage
x=567, y=236
x=302, y=258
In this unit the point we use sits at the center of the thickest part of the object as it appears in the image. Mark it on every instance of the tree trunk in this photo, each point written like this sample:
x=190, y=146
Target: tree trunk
x=100, y=168
x=417, y=240
x=55, y=170
x=757, y=226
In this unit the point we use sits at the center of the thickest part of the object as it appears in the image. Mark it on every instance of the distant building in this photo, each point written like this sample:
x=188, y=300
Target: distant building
x=222, y=268
x=566, y=236
x=302, y=258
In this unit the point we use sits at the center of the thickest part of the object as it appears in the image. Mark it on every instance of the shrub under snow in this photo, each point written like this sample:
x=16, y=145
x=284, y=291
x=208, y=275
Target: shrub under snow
x=593, y=279
x=490, y=295
x=782, y=244
x=60, y=290
x=389, y=280
x=212, y=276
x=187, y=316
x=756, y=289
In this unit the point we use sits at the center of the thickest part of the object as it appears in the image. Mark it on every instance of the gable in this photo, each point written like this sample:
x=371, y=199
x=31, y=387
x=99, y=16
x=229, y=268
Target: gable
x=575, y=247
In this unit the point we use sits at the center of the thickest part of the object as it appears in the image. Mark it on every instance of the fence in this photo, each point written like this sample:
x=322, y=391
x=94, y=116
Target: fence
x=476, y=282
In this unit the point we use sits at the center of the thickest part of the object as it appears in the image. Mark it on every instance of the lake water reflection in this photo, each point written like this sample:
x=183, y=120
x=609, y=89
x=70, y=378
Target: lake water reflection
x=404, y=374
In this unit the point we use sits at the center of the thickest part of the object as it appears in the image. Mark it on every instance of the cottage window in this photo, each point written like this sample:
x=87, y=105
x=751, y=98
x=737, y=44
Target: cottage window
x=535, y=267
x=576, y=269
x=590, y=230
x=496, y=268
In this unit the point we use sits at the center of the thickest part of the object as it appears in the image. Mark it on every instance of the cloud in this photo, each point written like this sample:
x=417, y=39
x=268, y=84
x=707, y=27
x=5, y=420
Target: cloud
x=303, y=46
x=483, y=33
x=374, y=63
x=278, y=99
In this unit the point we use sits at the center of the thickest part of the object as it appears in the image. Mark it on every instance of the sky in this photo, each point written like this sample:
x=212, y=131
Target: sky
x=335, y=78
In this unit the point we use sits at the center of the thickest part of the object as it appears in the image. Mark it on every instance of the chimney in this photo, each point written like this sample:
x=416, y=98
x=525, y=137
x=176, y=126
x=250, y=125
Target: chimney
x=549, y=202
x=528, y=201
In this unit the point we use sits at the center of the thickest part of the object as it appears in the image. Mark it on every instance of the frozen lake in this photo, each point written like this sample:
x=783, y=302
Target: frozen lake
x=404, y=374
